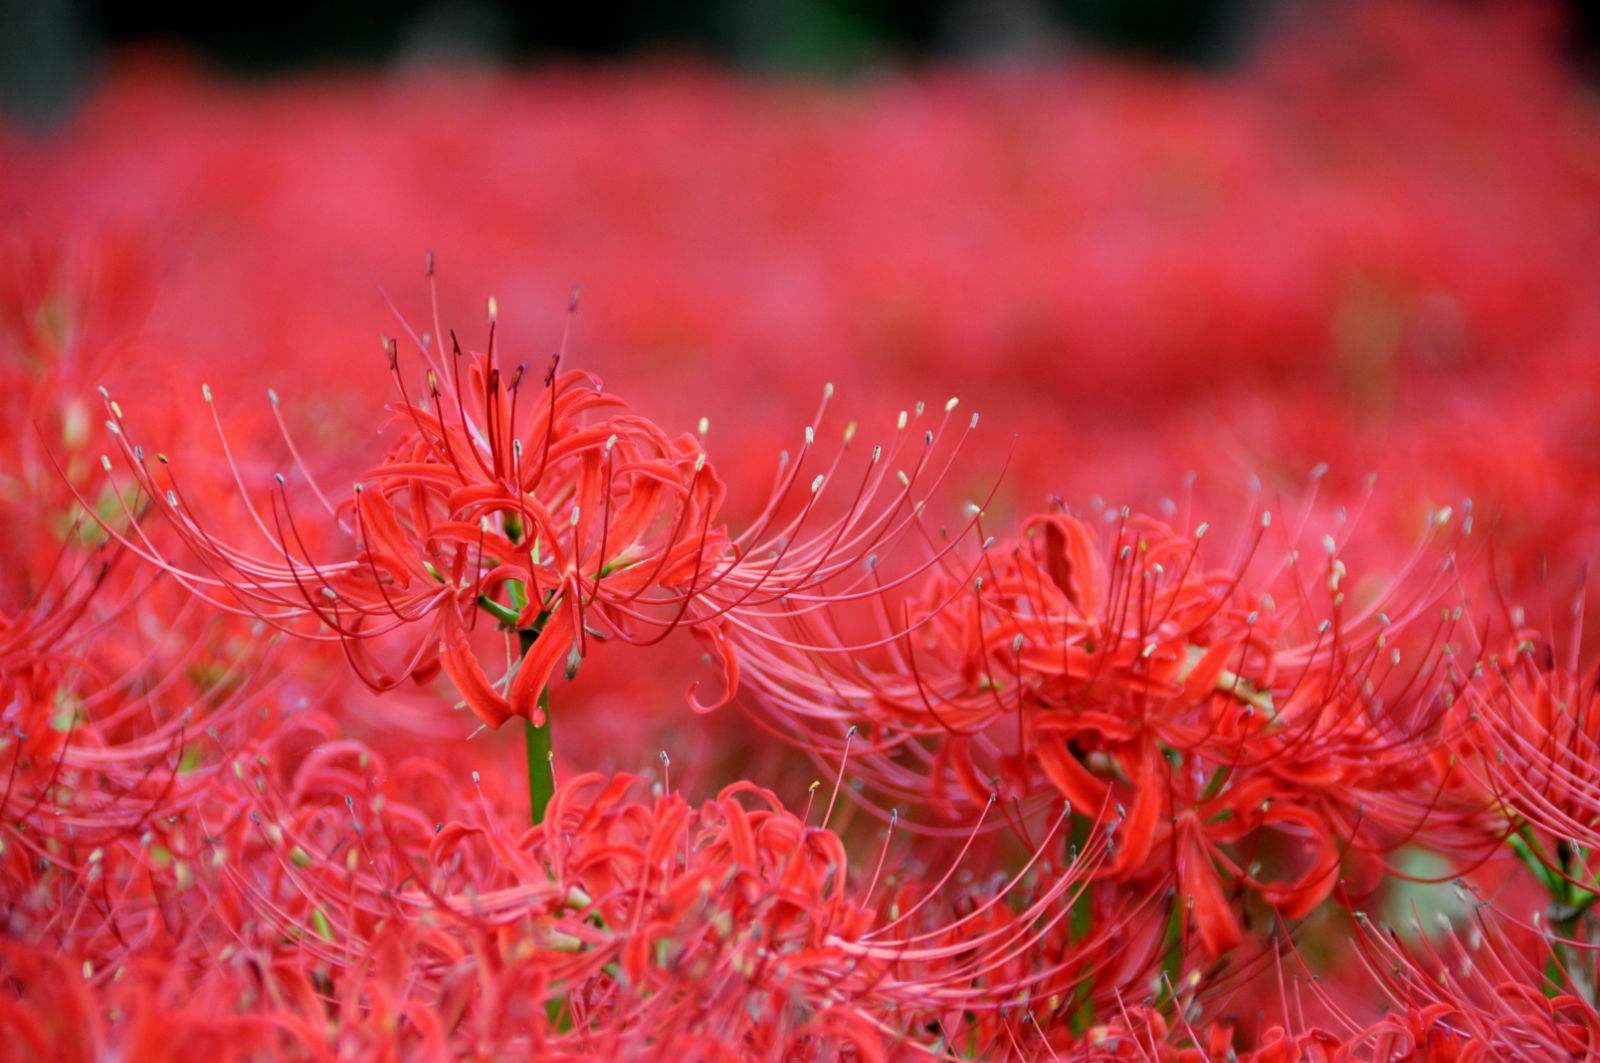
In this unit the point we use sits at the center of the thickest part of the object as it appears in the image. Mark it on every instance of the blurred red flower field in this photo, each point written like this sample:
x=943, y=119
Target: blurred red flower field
x=1070, y=561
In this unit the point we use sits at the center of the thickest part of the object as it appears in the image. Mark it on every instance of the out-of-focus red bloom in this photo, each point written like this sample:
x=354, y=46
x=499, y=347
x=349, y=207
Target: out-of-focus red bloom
x=1487, y=990
x=1529, y=735
x=1210, y=708
x=364, y=904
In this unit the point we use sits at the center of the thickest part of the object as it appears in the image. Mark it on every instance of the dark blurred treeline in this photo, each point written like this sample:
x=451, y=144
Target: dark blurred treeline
x=48, y=48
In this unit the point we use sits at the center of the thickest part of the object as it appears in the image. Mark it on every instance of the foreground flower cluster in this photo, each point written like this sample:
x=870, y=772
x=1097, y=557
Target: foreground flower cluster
x=377, y=683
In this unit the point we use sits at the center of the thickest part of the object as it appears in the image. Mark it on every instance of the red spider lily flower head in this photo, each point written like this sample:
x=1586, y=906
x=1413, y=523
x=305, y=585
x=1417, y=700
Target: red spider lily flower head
x=581, y=506
x=1145, y=1034
x=115, y=697
x=114, y=706
x=1207, y=708
x=631, y=924
x=1489, y=985
x=38, y=698
x=1528, y=737
x=546, y=502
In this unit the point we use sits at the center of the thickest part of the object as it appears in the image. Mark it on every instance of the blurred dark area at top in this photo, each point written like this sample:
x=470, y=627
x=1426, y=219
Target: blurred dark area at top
x=49, y=49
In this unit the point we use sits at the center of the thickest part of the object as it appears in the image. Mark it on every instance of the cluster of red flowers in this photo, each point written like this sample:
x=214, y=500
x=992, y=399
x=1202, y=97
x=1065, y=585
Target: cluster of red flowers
x=1289, y=751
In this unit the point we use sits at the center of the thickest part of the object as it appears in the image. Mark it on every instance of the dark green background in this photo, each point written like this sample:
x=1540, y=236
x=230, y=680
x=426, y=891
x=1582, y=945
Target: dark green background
x=49, y=48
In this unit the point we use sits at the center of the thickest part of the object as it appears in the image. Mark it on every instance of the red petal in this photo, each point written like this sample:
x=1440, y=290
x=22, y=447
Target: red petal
x=386, y=542
x=714, y=638
x=533, y=674
x=1198, y=887
x=1085, y=793
x=1139, y=832
x=461, y=665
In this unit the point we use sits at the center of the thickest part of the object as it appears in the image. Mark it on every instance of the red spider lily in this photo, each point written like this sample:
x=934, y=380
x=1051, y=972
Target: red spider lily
x=649, y=927
x=567, y=516
x=113, y=693
x=1526, y=727
x=1528, y=735
x=1144, y=1035
x=455, y=514
x=1209, y=708
x=111, y=736
x=1481, y=993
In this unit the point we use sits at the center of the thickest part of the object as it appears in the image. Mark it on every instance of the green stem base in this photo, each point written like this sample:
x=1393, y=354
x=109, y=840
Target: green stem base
x=541, y=773
x=541, y=769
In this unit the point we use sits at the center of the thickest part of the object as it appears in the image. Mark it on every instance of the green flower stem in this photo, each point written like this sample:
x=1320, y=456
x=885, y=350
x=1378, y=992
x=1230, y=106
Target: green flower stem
x=1571, y=967
x=506, y=616
x=541, y=772
x=1080, y=1009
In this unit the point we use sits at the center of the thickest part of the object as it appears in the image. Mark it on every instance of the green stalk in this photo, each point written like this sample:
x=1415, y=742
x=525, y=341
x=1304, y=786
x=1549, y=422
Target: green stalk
x=1569, y=968
x=1080, y=1009
x=541, y=772
x=1171, y=953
